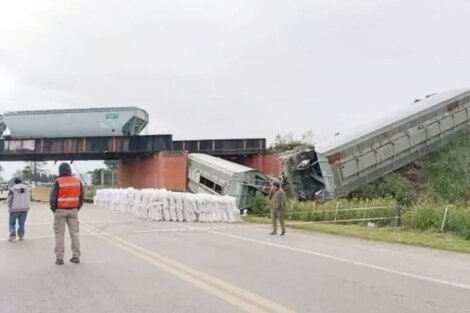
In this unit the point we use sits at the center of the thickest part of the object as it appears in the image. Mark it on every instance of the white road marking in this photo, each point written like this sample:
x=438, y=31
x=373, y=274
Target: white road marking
x=245, y=300
x=106, y=222
x=145, y=231
x=340, y=259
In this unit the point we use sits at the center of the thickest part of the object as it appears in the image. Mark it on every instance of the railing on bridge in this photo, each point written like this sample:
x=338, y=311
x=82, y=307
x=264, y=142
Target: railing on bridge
x=221, y=147
x=83, y=148
x=119, y=147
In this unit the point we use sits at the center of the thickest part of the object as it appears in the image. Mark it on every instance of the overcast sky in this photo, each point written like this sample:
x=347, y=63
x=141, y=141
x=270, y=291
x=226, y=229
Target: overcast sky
x=242, y=68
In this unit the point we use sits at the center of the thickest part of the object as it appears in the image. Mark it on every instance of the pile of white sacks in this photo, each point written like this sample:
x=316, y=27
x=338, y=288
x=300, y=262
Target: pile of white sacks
x=164, y=205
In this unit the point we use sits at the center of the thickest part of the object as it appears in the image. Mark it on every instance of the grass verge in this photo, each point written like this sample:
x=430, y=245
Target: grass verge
x=442, y=241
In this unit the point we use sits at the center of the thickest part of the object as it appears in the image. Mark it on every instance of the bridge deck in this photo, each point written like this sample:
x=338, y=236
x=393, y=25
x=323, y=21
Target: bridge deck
x=119, y=147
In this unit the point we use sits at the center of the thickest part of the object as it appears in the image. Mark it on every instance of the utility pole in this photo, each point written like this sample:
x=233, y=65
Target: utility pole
x=35, y=174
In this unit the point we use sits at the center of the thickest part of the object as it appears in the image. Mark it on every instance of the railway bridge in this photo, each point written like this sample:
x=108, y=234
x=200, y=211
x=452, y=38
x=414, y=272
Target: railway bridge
x=145, y=161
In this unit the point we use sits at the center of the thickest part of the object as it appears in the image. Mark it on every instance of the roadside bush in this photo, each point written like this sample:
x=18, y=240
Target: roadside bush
x=423, y=217
x=347, y=210
x=90, y=191
x=448, y=171
x=458, y=221
x=394, y=185
x=260, y=204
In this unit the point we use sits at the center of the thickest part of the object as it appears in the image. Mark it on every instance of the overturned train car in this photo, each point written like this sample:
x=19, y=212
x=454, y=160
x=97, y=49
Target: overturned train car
x=212, y=175
x=335, y=168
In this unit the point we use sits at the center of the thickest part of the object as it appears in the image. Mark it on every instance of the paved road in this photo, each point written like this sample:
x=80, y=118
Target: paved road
x=130, y=265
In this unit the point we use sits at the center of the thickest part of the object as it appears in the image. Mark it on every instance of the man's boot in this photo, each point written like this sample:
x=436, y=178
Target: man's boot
x=75, y=260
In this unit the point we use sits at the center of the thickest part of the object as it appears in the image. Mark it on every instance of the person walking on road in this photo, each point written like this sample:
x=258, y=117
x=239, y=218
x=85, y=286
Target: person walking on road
x=278, y=203
x=66, y=200
x=18, y=200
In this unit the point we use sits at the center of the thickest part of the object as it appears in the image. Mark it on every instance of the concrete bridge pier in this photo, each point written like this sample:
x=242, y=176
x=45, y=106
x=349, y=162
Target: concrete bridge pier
x=161, y=170
x=267, y=163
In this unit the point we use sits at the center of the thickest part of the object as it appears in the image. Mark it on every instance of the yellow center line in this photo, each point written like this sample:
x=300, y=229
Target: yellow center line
x=245, y=300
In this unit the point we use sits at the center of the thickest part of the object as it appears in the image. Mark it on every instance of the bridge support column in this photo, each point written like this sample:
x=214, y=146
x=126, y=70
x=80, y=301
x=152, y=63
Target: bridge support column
x=268, y=164
x=162, y=170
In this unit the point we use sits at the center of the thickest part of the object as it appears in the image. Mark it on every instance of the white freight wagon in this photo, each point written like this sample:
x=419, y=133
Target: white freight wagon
x=209, y=174
x=93, y=122
x=352, y=160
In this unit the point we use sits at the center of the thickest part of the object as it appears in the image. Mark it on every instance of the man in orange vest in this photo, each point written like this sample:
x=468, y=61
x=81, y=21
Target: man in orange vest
x=66, y=199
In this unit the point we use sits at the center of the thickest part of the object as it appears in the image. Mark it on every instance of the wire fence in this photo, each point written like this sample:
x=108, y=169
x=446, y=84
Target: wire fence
x=421, y=217
x=380, y=215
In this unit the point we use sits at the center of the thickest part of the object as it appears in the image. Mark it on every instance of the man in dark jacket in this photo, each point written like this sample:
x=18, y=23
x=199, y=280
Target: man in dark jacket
x=66, y=199
x=18, y=200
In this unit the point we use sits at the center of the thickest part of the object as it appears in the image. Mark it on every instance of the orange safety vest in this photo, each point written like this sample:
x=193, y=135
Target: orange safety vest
x=69, y=192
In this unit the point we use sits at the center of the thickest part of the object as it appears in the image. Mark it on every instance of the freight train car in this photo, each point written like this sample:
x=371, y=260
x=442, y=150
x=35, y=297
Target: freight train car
x=93, y=122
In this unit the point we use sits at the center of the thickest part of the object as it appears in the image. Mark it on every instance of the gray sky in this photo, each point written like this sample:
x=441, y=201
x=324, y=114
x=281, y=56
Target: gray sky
x=242, y=68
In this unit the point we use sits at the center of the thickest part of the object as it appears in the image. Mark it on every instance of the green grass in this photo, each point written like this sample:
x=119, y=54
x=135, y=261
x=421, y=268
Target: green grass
x=433, y=240
x=256, y=219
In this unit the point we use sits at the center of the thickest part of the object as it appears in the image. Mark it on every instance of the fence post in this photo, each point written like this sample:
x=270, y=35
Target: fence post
x=397, y=215
x=337, y=209
x=291, y=209
x=365, y=212
x=444, y=219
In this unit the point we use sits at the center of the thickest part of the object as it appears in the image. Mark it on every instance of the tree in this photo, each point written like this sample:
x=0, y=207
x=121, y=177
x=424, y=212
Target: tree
x=33, y=170
x=1, y=170
x=111, y=165
x=27, y=172
x=288, y=142
x=17, y=174
x=43, y=178
x=96, y=176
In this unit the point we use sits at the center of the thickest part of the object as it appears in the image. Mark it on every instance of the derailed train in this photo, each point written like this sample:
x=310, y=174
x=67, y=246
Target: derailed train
x=337, y=167
x=329, y=170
